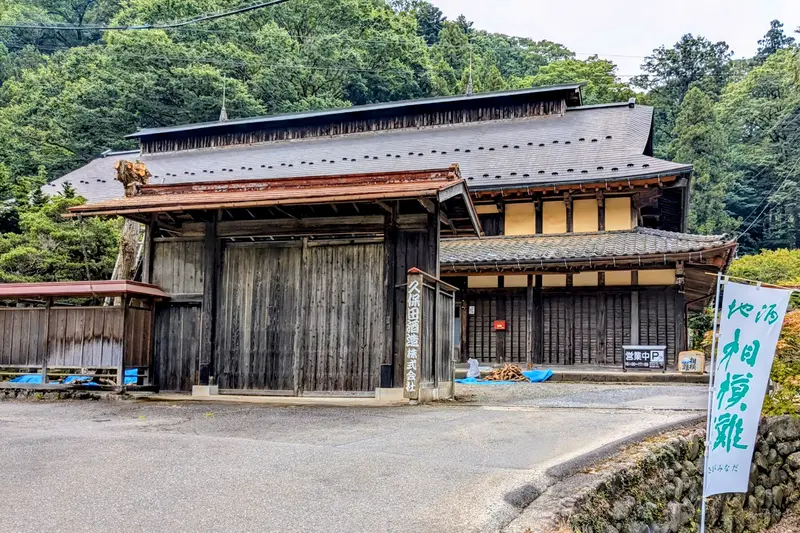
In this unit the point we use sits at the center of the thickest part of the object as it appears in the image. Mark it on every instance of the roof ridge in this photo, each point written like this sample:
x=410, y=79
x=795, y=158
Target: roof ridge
x=682, y=235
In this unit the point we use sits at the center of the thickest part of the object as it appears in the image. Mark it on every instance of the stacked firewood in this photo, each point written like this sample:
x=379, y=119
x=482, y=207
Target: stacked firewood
x=507, y=373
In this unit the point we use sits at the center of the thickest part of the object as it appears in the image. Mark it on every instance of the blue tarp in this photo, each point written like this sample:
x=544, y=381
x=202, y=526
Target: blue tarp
x=536, y=376
x=130, y=379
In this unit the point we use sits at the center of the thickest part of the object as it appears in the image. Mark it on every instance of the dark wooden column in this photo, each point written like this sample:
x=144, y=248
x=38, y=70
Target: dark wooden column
x=529, y=321
x=212, y=262
x=601, y=211
x=501, y=303
x=539, y=217
x=602, y=311
x=147, y=254
x=390, y=280
x=464, y=327
x=538, y=317
x=568, y=207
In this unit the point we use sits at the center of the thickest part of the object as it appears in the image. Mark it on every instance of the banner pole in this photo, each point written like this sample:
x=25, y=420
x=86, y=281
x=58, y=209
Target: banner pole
x=711, y=371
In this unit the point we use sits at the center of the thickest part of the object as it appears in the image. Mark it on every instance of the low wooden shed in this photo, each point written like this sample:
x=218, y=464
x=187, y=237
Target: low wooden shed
x=295, y=286
x=58, y=329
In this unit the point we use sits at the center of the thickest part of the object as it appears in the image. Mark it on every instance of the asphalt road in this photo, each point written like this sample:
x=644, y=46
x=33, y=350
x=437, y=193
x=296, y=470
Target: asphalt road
x=123, y=466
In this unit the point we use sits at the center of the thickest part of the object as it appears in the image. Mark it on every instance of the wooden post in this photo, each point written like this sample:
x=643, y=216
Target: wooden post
x=390, y=280
x=529, y=322
x=46, y=355
x=601, y=211
x=568, y=205
x=538, y=318
x=413, y=342
x=602, y=311
x=464, y=328
x=634, y=317
x=303, y=289
x=147, y=255
x=211, y=270
x=539, y=217
x=121, y=368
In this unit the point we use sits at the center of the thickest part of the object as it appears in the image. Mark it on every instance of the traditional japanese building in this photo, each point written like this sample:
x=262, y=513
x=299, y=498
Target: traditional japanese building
x=584, y=246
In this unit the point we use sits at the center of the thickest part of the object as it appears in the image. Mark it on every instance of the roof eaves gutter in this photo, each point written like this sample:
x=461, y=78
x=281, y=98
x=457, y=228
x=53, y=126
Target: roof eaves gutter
x=563, y=184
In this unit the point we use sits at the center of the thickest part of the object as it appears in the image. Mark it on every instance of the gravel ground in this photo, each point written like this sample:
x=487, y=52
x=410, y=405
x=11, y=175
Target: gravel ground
x=590, y=395
x=101, y=466
x=790, y=523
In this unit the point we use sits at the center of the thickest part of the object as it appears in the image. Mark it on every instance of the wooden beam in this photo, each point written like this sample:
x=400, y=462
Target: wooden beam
x=383, y=205
x=429, y=206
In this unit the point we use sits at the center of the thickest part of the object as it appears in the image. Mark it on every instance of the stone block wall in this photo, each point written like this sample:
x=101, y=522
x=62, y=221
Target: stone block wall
x=658, y=489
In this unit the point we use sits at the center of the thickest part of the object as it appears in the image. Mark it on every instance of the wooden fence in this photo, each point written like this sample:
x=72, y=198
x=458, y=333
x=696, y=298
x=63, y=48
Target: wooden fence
x=104, y=338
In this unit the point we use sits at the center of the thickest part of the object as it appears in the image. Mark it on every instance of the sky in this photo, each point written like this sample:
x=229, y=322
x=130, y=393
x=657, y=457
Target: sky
x=620, y=28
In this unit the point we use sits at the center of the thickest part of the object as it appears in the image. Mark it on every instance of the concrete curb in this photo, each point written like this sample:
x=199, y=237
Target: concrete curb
x=575, y=465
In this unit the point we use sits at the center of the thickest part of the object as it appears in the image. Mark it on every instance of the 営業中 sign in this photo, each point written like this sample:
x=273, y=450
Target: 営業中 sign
x=644, y=357
x=749, y=328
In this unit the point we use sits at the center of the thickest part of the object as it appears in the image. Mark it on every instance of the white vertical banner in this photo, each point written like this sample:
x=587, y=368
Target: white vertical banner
x=749, y=327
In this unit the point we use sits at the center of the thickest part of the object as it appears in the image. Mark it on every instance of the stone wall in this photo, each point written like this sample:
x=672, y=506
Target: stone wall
x=657, y=488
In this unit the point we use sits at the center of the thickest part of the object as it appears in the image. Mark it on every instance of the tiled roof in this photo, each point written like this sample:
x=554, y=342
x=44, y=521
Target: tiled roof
x=596, y=144
x=95, y=180
x=577, y=246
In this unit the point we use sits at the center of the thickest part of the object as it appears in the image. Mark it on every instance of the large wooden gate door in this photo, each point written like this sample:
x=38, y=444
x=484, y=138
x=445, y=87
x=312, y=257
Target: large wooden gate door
x=344, y=330
x=259, y=295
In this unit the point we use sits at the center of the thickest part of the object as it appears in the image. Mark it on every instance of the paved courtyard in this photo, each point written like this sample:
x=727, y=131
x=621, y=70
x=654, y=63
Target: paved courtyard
x=467, y=466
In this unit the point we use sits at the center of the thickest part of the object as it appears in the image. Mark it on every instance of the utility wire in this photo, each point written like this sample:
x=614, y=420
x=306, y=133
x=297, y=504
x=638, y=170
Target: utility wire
x=165, y=26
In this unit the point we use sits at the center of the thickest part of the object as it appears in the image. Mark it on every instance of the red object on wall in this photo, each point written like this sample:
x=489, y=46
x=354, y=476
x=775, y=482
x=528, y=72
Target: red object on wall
x=499, y=325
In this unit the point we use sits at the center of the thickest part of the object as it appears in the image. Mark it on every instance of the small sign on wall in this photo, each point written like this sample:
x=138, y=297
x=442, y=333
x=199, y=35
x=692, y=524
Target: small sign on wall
x=472, y=309
x=500, y=325
x=644, y=358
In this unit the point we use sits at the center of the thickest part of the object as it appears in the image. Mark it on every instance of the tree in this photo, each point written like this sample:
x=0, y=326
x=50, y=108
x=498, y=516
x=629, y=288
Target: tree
x=429, y=21
x=776, y=267
x=464, y=24
x=699, y=141
x=67, y=190
x=602, y=85
x=670, y=72
x=761, y=118
x=775, y=39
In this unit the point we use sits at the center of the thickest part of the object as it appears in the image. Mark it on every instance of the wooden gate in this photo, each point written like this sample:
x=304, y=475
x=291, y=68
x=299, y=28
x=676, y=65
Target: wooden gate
x=301, y=318
x=259, y=293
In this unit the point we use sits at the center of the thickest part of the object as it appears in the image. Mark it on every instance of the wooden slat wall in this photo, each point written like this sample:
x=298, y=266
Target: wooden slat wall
x=344, y=332
x=139, y=338
x=22, y=340
x=178, y=267
x=416, y=120
x=618, y=325
x=256, y=317
x=483, y=338
x=85, y=336
x=660, y=318
x=569, y=326
x=177, y=343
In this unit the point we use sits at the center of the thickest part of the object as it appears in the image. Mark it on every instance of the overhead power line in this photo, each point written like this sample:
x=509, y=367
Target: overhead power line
x=165, y=26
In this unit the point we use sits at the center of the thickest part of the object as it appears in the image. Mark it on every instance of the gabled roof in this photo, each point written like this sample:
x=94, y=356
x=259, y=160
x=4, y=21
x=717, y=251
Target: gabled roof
x=445, y=185
x=416, y=105
x=609, y=246
x=95, y=180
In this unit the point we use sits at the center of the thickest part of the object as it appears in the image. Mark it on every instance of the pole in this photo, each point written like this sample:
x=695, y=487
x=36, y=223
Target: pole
x=711, y=372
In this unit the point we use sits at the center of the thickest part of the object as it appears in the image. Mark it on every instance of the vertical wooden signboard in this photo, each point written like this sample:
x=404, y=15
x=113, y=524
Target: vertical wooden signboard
x=413, y=338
